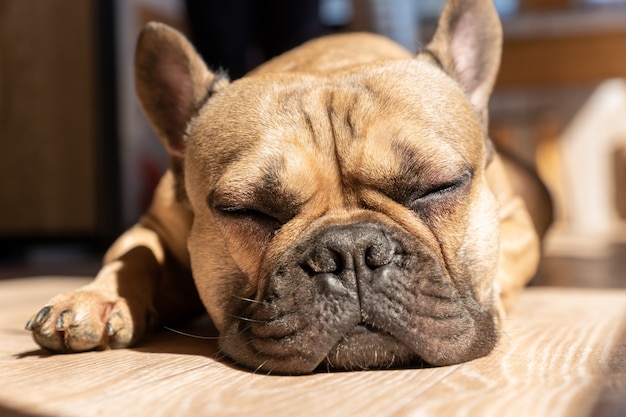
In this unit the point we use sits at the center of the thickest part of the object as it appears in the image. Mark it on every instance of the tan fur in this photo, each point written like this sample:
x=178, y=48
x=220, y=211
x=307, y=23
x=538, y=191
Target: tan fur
x=329, y=142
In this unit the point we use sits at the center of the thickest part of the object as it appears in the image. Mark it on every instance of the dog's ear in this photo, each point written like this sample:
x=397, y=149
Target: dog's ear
x=468, y=44
x=172, y=83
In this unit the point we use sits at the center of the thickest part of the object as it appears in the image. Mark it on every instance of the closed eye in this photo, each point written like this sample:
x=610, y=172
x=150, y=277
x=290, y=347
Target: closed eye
x=439, y=198
x=237, y=212
x=442, y=189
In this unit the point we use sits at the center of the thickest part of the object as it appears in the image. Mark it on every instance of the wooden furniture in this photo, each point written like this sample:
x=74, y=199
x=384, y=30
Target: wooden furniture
x=57, y=133
x=564, y=48
x=563, y=354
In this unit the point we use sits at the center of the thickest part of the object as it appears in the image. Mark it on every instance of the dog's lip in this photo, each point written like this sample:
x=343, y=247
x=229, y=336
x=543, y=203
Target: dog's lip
x=364, y=327
x=368, y=347
x=365, y=331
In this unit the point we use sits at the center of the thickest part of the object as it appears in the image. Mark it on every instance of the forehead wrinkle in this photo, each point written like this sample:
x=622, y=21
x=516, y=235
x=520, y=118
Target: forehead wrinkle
x=260, y=182
x=300, y=123
x=347, y=136
x=428, y=161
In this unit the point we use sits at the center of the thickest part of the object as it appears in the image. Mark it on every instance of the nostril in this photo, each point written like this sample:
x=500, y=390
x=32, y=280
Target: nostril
x=372, y=259
x=323, y=261
x=348, y=248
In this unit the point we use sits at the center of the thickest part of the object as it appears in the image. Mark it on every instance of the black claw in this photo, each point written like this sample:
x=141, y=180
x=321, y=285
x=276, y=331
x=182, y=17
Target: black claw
x=42, y=315
x=61, y=320
x=110, y=329
x=29, y=325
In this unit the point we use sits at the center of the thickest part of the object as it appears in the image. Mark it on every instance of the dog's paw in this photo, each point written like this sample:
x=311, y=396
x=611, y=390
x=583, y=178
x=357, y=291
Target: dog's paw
x=83, y=320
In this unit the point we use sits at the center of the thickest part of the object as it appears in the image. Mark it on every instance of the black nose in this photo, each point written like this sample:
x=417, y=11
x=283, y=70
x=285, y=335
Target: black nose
x=358, y=248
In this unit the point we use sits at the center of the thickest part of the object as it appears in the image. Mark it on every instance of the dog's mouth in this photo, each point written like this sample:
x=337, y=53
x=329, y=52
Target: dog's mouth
x=368, y=347
x=278, y=350
x=366, y=298
x=294, y=344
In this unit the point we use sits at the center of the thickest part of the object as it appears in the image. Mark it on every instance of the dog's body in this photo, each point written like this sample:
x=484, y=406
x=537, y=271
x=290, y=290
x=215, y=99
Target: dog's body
x=340, y=205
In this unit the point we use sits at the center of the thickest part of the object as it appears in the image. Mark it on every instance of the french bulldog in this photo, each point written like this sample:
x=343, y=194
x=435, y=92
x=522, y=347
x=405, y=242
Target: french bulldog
x=340, y=206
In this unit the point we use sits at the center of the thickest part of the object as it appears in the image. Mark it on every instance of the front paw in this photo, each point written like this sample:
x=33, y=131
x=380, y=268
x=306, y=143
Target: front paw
x=84, y=320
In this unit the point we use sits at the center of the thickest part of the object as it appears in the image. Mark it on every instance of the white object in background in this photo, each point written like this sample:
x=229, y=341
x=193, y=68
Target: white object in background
x=587, y=147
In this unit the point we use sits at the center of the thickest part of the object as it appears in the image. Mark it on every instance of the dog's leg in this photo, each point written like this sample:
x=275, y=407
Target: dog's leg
x=146, y=278
x=145, y=281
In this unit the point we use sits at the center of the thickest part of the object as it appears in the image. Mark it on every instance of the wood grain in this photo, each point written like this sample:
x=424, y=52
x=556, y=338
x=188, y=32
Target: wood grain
x=48, y=118
x=564, y=354
x=562, y=60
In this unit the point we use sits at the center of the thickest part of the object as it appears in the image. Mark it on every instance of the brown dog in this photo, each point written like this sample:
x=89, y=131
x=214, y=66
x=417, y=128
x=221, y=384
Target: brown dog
x=341, y=205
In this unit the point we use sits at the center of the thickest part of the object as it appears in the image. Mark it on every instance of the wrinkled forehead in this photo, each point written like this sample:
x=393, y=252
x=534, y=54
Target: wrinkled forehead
x=407, y=109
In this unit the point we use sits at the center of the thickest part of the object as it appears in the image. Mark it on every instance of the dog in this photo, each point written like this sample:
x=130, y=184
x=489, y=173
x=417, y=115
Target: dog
x=340, y=206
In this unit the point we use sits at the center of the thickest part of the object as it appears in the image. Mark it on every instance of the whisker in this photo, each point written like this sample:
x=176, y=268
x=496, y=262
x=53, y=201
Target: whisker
x=260, y=366
x=220, y=355
x=250, y=300
x=327, y=364
x=191, y=335
x=247, y=319
x=243, y=330
x=505, y=333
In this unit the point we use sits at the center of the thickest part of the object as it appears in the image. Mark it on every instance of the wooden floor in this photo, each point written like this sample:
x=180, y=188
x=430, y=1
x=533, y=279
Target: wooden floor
x=564, y=354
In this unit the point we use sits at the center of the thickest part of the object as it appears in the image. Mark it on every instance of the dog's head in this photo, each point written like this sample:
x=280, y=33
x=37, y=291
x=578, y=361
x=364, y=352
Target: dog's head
x=341, y=210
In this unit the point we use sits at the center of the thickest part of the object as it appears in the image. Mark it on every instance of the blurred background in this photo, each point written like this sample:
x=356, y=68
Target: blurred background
x=78, y=161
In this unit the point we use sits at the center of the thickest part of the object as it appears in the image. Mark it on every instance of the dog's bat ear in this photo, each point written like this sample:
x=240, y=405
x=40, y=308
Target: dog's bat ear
x=468, y=44
x=172, y=83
